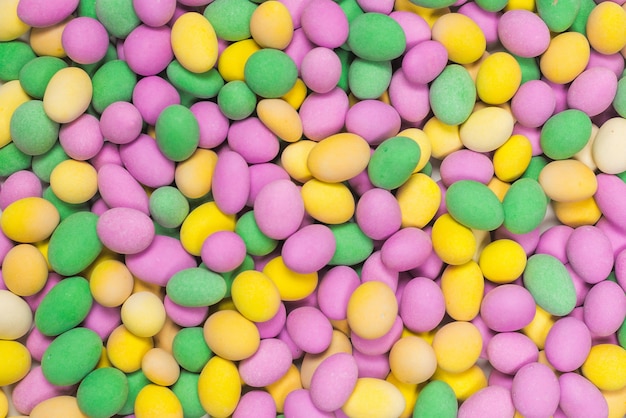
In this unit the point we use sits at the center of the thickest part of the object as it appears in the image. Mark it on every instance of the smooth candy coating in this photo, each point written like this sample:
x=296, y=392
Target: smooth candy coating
x=125, y=349
x=524, y=205
x=112, y=82
x=587, y=249
x=143, y=314
x=369, y=79
x=82, y=139
x=236, y=100
x=71, y=356
x=68, y=255
x=231, y=336
x=12, y=95
x=452, y=95
x=418, y=71
x=565, y=134
x=412, y=360
x=15, y=361
x=151, y=95
x=148, y=50
x=462, y=37
x=154, y=14
x=474, y=205
x=32, y=131
x=16, y=318
x=529, y=42
x=567, y=181
x=508, y=307
x=568, y=344
x=605, y=365
x=194, y=42
x=593, y=90
x=455, y=251
x=280, y=118
x=487, y=129
x=118, y=16
x=605, y=28
x=323, y=115
x=374, y=120
x=271, y=25
x=533, y=103
x=67, y=95
x=580, y=396
x=550, y=284
x=325, y=24
x=493, y=401
x=270, y=362
x=56, y=407
x=389, y=43
x=566, y=57
x=502, y=261
x=203, y=85
x=65, y=306
x=125, y=230
x=353, y=246
x=255, y=403
x=146, y=163
x=334, y=291
x=462, y=288
x=255, y=296
x=535, y=390
x=74, y=181
x=103, y=392
x=111, y=283
x=605, y=145
x=12, y=26
x=253, y=140
x=177, y=132
x=509, y=351
x=230, y=19
x=279, y=209
x=25, y=398
x=85, y=40
x=223, y=251
x=604, y=308
x=321, y=69
x=393, y=162
x=36, y=14
x=160, y=367
x=378, y=214
x=309, y=329
x=338, y=157
x=418, y=188
x=372, y=310
x=374, y=397
x=466, y=165
x=292, y=286
x=153, y=400
x=257, y=243
x=309, y=249
x=329, y=392
x=24, y=270
x=406, y=249
x=558, y=17
x=231, y=182
x=330, y=203
x=193, y=178
x=452, y=355
x=492, y=86
x=196, y=287
x=270, y=73
x=410, y=100
x=118, y=188
x=436, y=397
x=190, y=350
x=121, y=122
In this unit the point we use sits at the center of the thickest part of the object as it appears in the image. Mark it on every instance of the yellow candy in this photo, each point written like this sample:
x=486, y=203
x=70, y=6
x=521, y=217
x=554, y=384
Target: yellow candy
x=566, y=57
x=616, y=399
x=67, y=95
x=539, y=327
x=464, y=384
x=422, y=140
x=74, y=181
x=428, y=14
x=165, y=338
x=457, y=346
x=502, y=261
x=231, y=336
x=14, y=362
x=104, y=360
x=330, y=203
x=111, y=283
x=30, y=219
x=11, y=97
x=412, y=360
x=280, y=118
x=339, y=157
x=58, y=407
x=143, y=314
x=292, y=286
x=372, y=310
x=279, y=390
x=296, y=95
x=24, y=270
x=339, y=343
x=125, y=349
x=575, y=214
x=271, y=25
x=294, y=157
x=219, y=387
x=498, y=78
x=11, y=27
x=454, y=243
x=255, y=296
x=487, y=129
x=232, y=60
x=462, y=288
x=47, y=41
x=155, y=401
x=374, y=398
x=202, y=222
x=160, y=367
x=419, y=199
x=606, y=28
x=444, y=139
x=568, y=181
x=194, y=42
x=605, y=366
x=520, y=5
x=409, y=392
x=4, y=405
x=461, y=36
x=193, y=177
x=512, y=158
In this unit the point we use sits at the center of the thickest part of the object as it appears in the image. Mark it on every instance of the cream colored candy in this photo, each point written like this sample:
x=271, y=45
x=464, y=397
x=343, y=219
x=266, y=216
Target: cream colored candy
x=568, y=181
x=280, y=118
x=194, y=42
x=374, y=398
x=143, y=314
x=487, y=129
x=16, y=317
x=608, y=146
x=160, y=367
x=11, y=97
x=67, y=95
x=339, y=157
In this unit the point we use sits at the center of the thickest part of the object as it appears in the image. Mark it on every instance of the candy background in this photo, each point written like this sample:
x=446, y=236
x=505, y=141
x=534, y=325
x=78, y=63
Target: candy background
x=396, y=207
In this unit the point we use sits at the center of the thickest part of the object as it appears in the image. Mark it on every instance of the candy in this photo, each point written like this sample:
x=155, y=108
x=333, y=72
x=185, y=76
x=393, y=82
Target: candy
x=452, y=95
x=219, y=388
x=65, y=306
x=103, y=392
x=71, y=356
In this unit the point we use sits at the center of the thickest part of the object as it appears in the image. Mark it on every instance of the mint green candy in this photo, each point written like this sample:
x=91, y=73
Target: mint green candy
x=74, y=244
x=436, y=400
x=345, y=57
x=492, y=5
x=65, y=306
x=428, y=169
x=65, y=209
x=621, y=334
x=580, y=22
x=32, y=131
x=36, y=74
x=117, y=16
x=619, y=102
x=537, y=163
x=350, y=8
x=199, y=85
x=376, y=37
x=270, y=73
x=102, y=393
x=71, y=356
x=565, y=133
x=353, y=246
x=44, y=164
x=190, y=349
x=433, y=4
x=195, y=287
x=453, y=95
x=236, y=100
x=257, y=243
x=530, y=69
x=136, y=381
x=558, y=15
x=548, y=281
x=393, y=162
x=525, y=206
x=474, y=205
x=87, y=8
x=113, y=82
x=168, y=206
x=13, y=160
x=177, y=132
x=369, y=79
x=14, y=55
x=230, y=18
x=186, y=390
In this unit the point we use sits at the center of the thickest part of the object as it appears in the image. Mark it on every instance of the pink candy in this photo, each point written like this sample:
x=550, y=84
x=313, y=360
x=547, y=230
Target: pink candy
x=125, y=230
x=309, y=329
x=568, y=344
x=309, y=249
x=507, y=307
x=333, y=381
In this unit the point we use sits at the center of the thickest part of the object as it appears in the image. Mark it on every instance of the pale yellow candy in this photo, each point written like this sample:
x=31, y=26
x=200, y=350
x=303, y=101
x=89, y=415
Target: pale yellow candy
x=605, y=366
x=585, y=155
x=372, y=310
x=143, y=314
x=616, y=399
x=498, y=78
x=165, y=338
x=160, y=367
x=575, y=214
x=30, y=219
x=444, y=139
x=454, y=243
x=292, y=286
x=219, y=387
x=4, y=405
x=457, y=346
x=255, y=296
x=330, y=203
x=24, y=270
x=271, y=25
x=202, y=222
x=15, y=362
x=409, y=392
x=194, y=42
x=279, y=390
x=607, y=148
x=231, y=336
x=566, y=57
x=374, y=398
x=419, y=199
x=16, y=317
x=111, y=283
x=339, y=343
x=280, y=118
x=606, y=28
x=464, y=384
x=12, y=95
x=422, y=140
x=67, y=95
x=296, y=95
x=125, y=349
x=155, y=401
x=294, y=160
x=539, y=327
x=502, y=261
x=487, y=129
x=568, y=181
x=483, y=238
x=461, y=36
x=339, y=157
x=47, y=41
x=232, y=60
x=74, y=181
x=194, y=176
x=412, y=360
x=58, y=407
x=11, y=26
x=511, y=159
x=463, y=286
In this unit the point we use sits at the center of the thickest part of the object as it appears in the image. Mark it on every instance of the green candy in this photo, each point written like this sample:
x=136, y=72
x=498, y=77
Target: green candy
x=229, y=276
x=492, y=5
x=621, y=334
x=350, y=8
x=453, y=95
x=74, y=244
x=558, y=15
x=190, y=349
x=202, y=86
x=71, y=356
x=346, y=58
x=45, y=163
x=537, y=163
x=168, y=206
x=236, y=100
x=87, y=8
x=428, y=169
x=353, y=246
x=565, y=133
x=369, y=79
x=36, y=74
x=103, y=392
x=113, y=82
x=376, y=37
x=393, y=162
x=177, y=132
x=548, y=281
x=619, y=102
x=474, y=205
x=186, y=390
x=436, y=400
x=529, y=67
x=65, y=306
x=136, y=381
x=230, y=18
x=13, y=160
x=270, y=73
x=580, y=23
x=65, y=209
x=14, y=55
x=433, y=4
x=525, y=206
x=32, y=131
x=257, y=243
x=90, y=69
x=117, y=16
x=196, y=287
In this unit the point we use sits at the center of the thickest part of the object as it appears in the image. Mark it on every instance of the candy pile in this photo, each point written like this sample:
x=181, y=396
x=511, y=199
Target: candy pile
x=313, y=208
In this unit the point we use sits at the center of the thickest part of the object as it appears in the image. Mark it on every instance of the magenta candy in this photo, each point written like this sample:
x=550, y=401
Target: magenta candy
x=223, y=251
x=37, y=343
x=231, y=182
x=148, y=50
x=532, y=134
x=410, y=100
x=533, y=103
x=497, y=378
x=118, y=188
x=272, y=327
x=153, y=94
x=361, y=183
x=121, y=122
x=17, y=186
x=262, y=175
x=109, y=154
x=424, y=62
x=81, y=139
x=335, y=289
x=415, y=28
x=5, y=245
x=581, y=398
x=268, y=364
x=251, y=139
x=466, y=165
x=333, y=381
x=604, y=308
x=154, y=14
x=298, y=404
x=99, y=207
x=509, y=351
x=423, y=306
x=125, y=230
x=378, y=214
x=611, y=198
x=620, y=269
x=33, y=389
x=299, y=46
x=489, y=402
x=309, y=329
x=279, y=209
x=296, y=352
x=378, y=345
x=324, y=23
x=523, y=33
x=614, y=233
x=146, y=163
x=507, y=307
x=592, y=91
x=255, y=404
x=590, y=253
x=309, y=249
x=376, y=6
x=40, y=14
x=376, y=366
x=85, y=40
x=212, y=122
x=374, y=270
x=102, y=320
x=580, y=286
x=295, y=8
x=320, y=69
x=185, y=316
x=614, y=62
x=487, y=21
x=560, y=94
x=323, y=115
x=567, y=344
x=528, y=241
x=373, y=120
x=406, y=249
x=553, y=242
x=535, y=391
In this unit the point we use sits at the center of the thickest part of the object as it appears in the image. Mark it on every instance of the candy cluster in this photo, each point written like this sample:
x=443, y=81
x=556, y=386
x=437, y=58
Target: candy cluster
x=313, y=208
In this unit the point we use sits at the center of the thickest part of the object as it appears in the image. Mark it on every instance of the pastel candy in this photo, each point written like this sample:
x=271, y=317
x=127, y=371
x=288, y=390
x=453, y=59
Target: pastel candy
x=309, y=249
x=327, y=162
x=563, y=356
x=66, y=254
x=552, y=289
x=452, y=95
x=329, y=394
x=125, y=230
x=508, y=307
x=537, y=382
x=268, y=364
x=280, y=199
x=53, y=317
x=71, y=356
x=574, y=388
x=493, y=401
